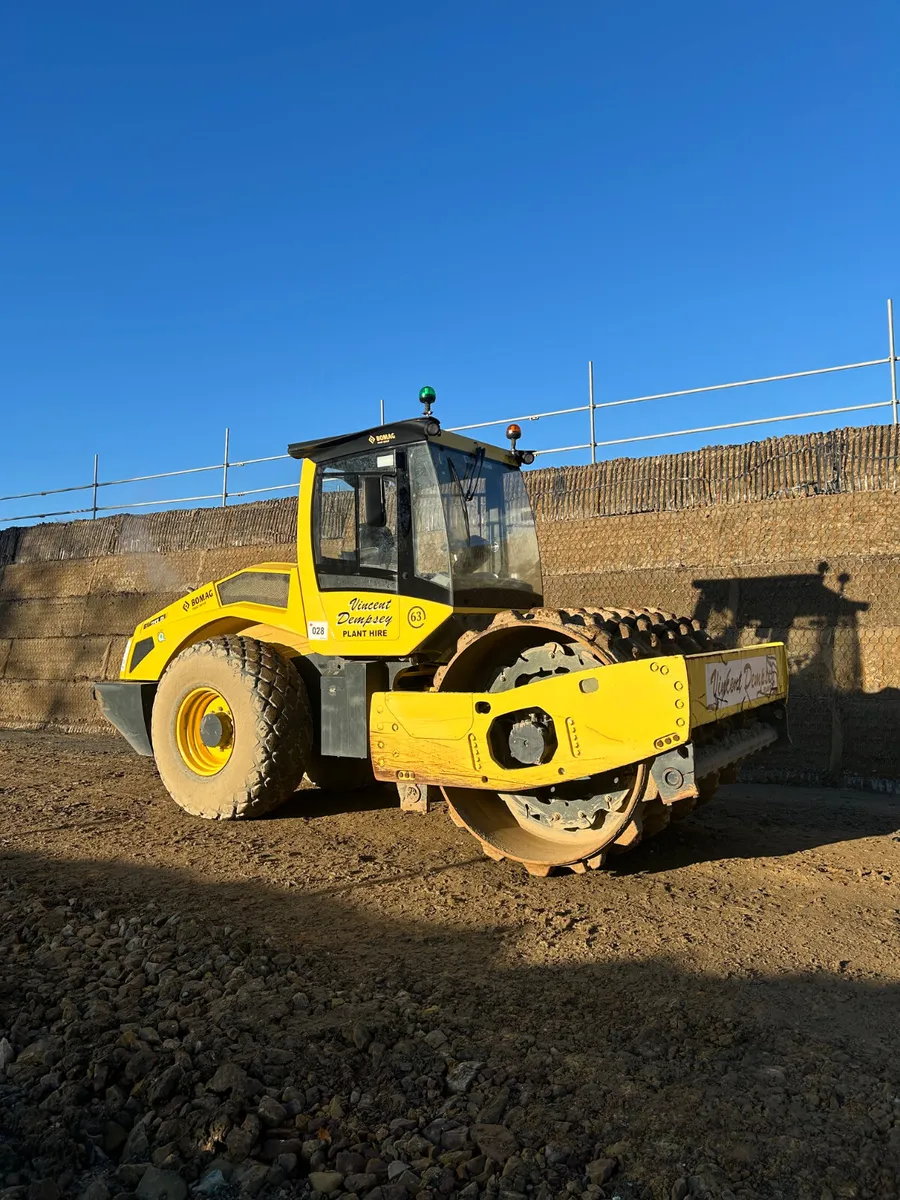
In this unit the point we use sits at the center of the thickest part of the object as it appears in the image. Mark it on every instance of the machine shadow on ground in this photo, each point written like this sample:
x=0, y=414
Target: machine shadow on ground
x=749, y=821
x=463, y=965
x=744, y=821
x=311, y=803
x=674, y=1066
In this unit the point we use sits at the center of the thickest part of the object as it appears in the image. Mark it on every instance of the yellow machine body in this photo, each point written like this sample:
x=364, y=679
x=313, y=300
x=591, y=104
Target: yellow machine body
x=353, y=623
x=603, y=718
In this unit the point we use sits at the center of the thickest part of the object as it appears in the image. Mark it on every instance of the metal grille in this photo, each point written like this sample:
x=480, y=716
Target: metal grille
x=256, y=587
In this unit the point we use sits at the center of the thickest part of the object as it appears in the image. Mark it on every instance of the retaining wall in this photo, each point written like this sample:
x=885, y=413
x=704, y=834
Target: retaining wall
x=794, y=538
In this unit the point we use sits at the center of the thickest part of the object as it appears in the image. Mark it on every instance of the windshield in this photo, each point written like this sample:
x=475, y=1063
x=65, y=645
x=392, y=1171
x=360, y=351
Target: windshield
x=474, y=528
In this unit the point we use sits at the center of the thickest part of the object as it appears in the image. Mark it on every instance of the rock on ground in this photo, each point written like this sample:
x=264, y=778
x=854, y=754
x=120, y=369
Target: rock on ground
x=352, y=1004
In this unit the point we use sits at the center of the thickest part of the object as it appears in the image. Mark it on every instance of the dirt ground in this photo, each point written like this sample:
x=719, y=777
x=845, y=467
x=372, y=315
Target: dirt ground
x=723, y=1003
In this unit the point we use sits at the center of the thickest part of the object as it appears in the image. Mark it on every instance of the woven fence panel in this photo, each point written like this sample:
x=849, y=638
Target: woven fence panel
x=813, y=464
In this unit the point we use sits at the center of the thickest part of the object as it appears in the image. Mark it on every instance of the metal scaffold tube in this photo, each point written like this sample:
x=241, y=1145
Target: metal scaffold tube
x=893, y=358
x=225, y=470
x=593, y=409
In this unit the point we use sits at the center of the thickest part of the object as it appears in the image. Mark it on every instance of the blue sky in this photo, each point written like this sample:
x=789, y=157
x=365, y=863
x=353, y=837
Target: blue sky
x=271, y=216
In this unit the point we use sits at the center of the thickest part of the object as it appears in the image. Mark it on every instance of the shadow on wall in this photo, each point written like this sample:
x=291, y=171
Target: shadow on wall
x=676, y=1066
x=841, y=729
x=9, y=541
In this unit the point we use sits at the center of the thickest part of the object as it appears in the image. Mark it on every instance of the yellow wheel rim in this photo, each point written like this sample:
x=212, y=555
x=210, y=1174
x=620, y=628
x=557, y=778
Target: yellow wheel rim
x=204, y=731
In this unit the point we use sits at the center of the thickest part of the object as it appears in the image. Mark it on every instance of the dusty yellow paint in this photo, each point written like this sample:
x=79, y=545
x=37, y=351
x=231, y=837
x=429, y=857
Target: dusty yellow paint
x=200, y=614
x=371, y=624
x=731, y=681
x=352, y=623
x=604, y=719
x=355, y=623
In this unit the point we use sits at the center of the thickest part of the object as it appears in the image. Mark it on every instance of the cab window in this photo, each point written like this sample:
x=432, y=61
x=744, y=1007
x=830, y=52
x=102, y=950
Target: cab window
x=355, y=523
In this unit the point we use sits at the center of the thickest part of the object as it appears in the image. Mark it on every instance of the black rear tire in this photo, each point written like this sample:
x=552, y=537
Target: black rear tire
x=272, y=736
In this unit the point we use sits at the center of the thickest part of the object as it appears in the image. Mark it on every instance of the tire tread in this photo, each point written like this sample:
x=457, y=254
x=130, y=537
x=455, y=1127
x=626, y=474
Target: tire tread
x=284, y=734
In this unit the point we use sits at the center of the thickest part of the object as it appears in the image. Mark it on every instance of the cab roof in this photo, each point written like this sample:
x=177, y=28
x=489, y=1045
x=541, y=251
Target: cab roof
x=400, y=433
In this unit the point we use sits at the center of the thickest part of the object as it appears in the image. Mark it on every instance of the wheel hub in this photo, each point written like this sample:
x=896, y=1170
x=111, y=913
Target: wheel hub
x=531, y=741
x=575, y=804
x=215, y=730
x=569, y=822
x=204, y=731
x=573, y=822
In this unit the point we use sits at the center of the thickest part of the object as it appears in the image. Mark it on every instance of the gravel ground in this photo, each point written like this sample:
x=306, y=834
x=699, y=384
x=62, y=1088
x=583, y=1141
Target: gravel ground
x=356, y=1003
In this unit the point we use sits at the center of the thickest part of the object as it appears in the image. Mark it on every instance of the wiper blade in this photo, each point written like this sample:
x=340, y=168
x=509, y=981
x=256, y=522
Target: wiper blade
x=462, y=495
x=473, y=474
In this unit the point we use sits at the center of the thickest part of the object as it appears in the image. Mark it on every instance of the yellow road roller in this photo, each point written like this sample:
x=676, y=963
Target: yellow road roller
x=409, y=643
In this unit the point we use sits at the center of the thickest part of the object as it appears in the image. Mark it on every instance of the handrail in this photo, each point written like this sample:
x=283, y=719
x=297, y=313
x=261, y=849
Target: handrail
x=592, y=445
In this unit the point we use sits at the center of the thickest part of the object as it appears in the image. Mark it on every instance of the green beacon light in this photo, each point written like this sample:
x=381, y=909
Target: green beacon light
x=427, y=397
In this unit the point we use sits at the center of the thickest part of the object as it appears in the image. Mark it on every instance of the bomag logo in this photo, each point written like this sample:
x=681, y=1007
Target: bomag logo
x=200, y=598
x=379, y=439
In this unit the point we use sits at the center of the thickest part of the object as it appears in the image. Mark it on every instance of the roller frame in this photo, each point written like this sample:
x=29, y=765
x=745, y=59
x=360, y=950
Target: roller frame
x=605, y=718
